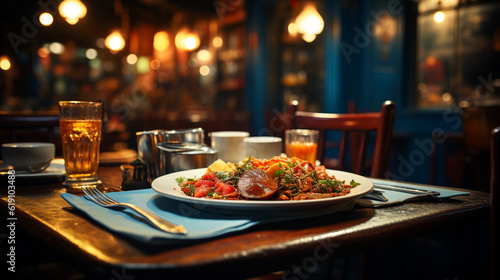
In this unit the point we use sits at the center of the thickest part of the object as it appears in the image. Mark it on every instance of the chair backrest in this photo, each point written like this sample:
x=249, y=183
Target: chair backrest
x=495, y=202
x=354, y=127
x=30, y=127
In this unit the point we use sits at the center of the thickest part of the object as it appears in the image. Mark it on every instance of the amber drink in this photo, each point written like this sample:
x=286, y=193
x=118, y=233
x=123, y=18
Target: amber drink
x=302, y=143
x=80, y=124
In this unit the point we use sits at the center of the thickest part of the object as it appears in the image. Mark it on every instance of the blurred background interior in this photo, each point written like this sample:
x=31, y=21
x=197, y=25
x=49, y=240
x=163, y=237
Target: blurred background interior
x=235, y=64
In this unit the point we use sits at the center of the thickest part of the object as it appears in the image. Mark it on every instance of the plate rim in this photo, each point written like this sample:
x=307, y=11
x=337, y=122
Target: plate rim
x=56, y=161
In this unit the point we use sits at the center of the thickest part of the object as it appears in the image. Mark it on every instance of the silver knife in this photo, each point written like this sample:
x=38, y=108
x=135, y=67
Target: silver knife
x=407, y=190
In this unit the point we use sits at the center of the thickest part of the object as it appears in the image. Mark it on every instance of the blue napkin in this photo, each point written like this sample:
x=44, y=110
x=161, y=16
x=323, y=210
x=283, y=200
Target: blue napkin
x=396, y=197
x=199, y=223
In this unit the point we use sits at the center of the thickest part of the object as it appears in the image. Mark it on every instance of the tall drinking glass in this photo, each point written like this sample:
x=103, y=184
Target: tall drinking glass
x=80, y=124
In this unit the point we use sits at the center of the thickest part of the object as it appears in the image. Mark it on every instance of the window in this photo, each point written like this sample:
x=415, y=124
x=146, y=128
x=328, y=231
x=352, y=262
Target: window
x=458, y=52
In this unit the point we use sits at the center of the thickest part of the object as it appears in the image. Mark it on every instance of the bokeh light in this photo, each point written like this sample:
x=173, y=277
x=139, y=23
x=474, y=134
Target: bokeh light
x=204, y=70
x=204, y=55
x=439, y=17
x=91, y=53
x=46, y=19
x=72, y=10
x=115, y=41
x=4, y=63
x=142, y=65
x=56, y=48
x=155, y=64
x=131, y=59
x=43, y=52
x=161, y=41
x=217, y=42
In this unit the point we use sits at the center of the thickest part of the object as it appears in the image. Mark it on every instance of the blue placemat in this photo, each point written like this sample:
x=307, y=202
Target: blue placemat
x=199, y=223
x=396, y=197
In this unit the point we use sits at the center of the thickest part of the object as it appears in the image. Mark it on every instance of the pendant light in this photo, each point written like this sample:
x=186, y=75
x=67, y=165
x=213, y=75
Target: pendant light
x=72, y=10
x=439, y=15
x=115, y=41
x=309, y=22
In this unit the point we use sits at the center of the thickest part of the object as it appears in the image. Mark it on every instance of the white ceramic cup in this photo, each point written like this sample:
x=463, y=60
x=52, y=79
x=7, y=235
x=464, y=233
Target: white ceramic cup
x=229, y=145
x=30, y=156
x=263, y=147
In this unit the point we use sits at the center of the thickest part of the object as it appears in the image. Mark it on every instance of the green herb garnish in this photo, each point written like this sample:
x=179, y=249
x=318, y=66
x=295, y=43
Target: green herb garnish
x=354, y=183
x=180, y=180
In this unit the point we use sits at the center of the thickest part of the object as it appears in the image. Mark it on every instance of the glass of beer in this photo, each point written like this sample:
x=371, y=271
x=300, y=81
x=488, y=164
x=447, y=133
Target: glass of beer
x=302, y=143
x=80, y=124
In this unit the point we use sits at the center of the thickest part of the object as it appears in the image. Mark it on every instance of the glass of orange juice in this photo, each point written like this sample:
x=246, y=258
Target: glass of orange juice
x=302, y=143
x=80, y=124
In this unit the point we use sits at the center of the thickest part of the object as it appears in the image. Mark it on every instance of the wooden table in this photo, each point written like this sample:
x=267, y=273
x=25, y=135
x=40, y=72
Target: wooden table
x=42, y=212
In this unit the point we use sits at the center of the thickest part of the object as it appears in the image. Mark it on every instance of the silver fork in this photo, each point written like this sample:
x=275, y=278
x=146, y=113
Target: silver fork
x=105, y=201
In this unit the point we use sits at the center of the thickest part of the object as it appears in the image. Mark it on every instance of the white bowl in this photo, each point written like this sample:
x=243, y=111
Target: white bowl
x=229, y=144
x=263, y=147
x=32, y=157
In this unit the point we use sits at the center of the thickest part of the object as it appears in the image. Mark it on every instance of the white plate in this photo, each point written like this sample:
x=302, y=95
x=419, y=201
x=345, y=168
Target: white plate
x=167, y=186
x=55, y=169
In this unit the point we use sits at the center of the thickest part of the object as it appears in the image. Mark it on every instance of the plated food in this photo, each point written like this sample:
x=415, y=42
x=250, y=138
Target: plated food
x=278, y=178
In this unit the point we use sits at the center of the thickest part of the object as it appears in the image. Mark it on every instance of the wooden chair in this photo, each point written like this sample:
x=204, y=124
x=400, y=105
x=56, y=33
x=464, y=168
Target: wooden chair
x=495, y=202
x=31, y=127
x=360, y=124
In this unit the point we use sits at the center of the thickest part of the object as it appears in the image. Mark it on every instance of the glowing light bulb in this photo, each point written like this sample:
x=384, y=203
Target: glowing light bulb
x=186, y=40
x=4, y=63
x=439, y=17
x=72, y=10
x=309, y=21
x=192, y=42
x=46, y=19
x=115, y=41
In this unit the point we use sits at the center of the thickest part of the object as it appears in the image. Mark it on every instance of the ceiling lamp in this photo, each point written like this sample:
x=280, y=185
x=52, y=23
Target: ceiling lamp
x=309, y=21
x=115, y=41
x=187, y=40
x=72, y=10
x=439, y=16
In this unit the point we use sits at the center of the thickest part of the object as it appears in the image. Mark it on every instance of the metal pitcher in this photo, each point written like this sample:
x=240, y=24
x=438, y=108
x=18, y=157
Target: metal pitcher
x=147, y=150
